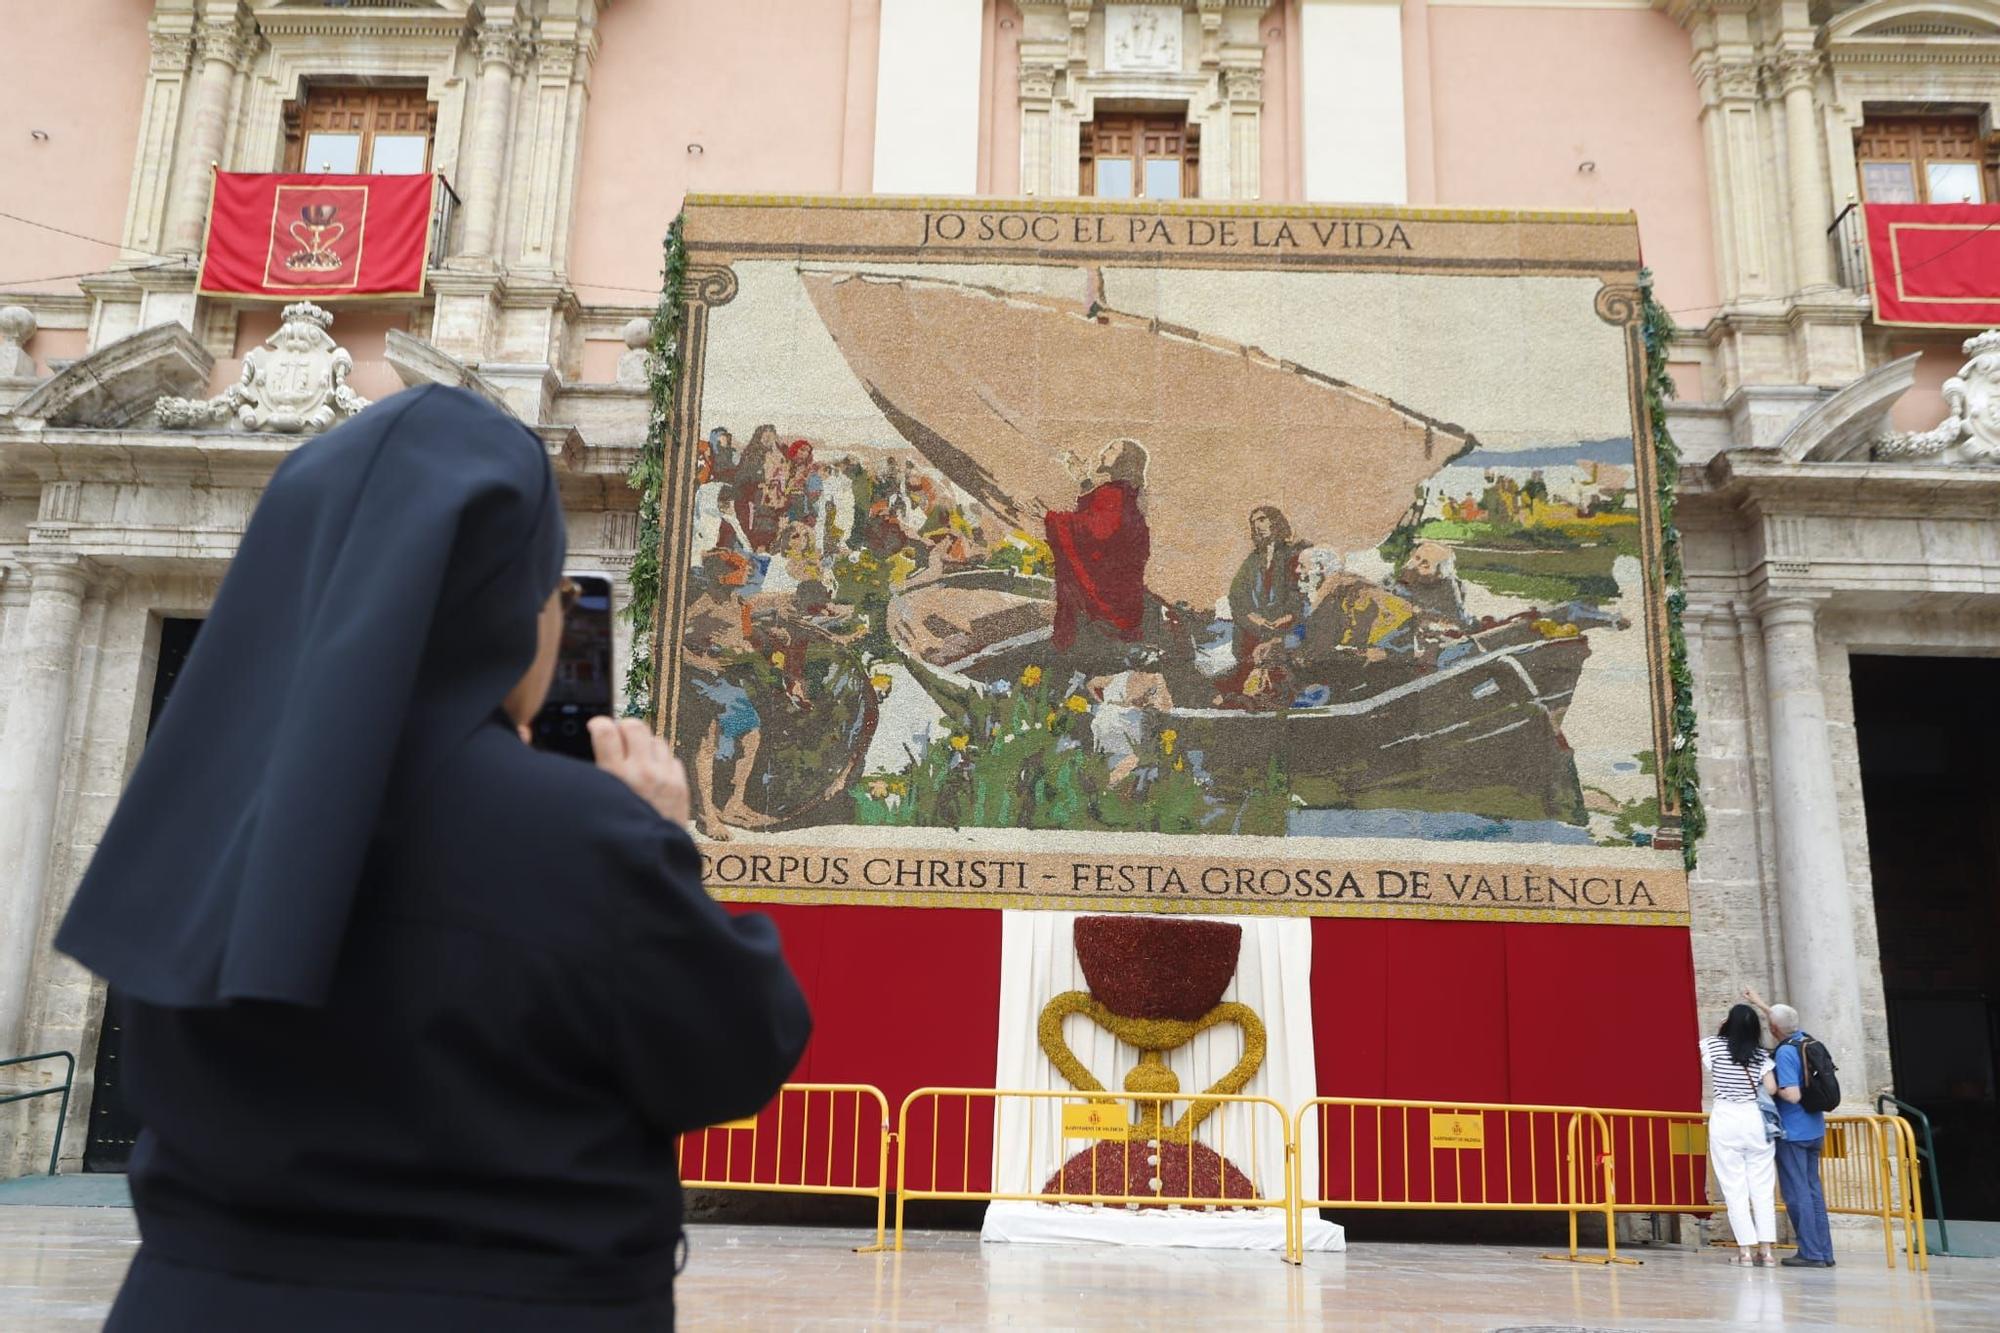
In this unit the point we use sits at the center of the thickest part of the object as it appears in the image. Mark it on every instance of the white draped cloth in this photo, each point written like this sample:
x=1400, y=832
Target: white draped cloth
x=1273, y=971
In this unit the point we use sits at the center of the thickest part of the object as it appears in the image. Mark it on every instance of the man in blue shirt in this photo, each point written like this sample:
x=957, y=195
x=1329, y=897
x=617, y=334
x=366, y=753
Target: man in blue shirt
x=1798, y=1151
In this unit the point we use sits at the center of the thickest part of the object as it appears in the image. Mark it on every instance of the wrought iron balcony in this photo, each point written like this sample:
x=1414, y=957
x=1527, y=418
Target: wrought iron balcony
x=1848, y=237
x=444, y=210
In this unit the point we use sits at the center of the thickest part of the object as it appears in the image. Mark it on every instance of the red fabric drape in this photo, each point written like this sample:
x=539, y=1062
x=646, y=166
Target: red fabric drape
x=1582, y=1015
x=1935, y=265
x=290, y=236
x=1554, y=1015
x=901, y=998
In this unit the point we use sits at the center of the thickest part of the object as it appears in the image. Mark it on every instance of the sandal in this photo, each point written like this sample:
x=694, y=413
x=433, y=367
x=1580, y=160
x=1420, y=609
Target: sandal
x=1741, y=1260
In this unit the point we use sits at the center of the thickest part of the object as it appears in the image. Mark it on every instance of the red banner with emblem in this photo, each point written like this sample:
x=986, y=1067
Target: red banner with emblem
x=1935, y=265
x=293, y=236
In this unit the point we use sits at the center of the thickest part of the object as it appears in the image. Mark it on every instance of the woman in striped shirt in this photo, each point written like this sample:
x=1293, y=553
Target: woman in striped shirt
x=1738, y=1148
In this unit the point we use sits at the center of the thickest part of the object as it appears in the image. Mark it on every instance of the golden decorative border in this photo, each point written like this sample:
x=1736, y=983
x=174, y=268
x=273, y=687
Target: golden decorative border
x=778, y=893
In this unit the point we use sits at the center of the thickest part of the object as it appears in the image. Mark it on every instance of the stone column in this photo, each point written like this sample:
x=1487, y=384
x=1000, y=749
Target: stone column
x=1243, y=91
x=31, y=765
x=1797, y=72
x=485, y=171
x=1038, y=136
x=224, y=44
x=1814, y=905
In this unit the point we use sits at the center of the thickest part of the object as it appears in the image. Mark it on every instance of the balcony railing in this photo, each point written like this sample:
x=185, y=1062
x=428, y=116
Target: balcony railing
x=444, y=209
x=1848, y=237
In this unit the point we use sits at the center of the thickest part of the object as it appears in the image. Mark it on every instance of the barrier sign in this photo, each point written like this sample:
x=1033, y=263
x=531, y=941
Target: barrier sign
x=1095, y=1121
x=1688, y=1139
x=1457, y=1131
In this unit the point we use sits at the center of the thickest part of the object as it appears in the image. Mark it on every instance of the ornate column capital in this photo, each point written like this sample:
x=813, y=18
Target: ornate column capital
x=556, y=58
x=499, y=44
x=1242, y=83
x=1038, y=81
x=1725, y=80
x=1793, y=71
x=228, y=41
x=171, y=52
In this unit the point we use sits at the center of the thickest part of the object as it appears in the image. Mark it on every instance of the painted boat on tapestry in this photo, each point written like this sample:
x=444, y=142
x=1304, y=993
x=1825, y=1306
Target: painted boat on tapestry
x=1480, y=735
x=994, y=387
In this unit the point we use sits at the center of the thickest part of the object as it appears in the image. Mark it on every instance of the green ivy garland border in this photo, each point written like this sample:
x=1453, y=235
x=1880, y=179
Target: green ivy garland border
x=665, y=364
x=648, y=476
x=1678, y=765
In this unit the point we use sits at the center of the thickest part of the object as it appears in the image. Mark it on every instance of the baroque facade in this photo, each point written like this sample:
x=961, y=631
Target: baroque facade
x=138, y=420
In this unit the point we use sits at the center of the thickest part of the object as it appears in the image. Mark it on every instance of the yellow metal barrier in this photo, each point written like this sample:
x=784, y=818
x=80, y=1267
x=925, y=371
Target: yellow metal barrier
x=1470, y=1156
x=1856, y=1174
x=814, y=1138
x=1127, y=1149
x=1006, y=1145
x=1662, y=1160
x=1907, y=1197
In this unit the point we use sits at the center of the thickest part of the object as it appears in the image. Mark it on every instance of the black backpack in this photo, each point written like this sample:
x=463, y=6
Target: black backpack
x=1819, y=1087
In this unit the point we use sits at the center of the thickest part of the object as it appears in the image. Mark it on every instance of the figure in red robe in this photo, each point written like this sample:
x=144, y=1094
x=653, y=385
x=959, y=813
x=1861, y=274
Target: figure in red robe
x=1100, y=549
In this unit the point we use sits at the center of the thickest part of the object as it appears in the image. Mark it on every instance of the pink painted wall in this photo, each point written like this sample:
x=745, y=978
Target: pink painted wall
x=1923, y=406
x=1000, y=110
x=80, y=76
x=761, y=85
x=1277, y=171
x=1520, y=97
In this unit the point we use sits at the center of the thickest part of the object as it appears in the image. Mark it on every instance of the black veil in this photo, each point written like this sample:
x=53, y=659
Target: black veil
x=381, y=604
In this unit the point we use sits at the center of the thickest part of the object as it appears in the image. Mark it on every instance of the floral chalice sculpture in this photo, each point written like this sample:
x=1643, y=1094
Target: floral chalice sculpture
x=1155, y=983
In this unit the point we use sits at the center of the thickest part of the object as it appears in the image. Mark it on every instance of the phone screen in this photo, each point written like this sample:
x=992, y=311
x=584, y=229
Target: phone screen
x=582, y=686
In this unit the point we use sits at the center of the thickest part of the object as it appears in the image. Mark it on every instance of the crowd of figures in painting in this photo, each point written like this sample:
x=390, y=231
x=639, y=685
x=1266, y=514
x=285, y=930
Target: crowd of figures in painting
x=865, y=643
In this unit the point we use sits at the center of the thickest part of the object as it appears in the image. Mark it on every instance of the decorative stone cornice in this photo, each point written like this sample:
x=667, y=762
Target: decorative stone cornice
x=370, y=22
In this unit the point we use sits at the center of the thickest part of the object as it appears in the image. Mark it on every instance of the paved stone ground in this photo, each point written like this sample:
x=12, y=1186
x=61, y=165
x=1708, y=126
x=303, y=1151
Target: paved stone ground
x=59, y=1267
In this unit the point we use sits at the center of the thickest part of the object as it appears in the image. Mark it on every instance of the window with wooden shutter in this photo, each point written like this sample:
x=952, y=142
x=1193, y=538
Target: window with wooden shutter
x=1140, y=157
x=1923, y=160
x=360, y=131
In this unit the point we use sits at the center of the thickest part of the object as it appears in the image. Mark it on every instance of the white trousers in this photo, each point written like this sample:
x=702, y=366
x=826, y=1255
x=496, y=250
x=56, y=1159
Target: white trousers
x=1745, y=1165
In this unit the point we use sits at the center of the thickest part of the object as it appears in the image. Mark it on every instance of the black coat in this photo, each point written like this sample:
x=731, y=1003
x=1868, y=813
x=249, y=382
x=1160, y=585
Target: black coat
x=534, y=997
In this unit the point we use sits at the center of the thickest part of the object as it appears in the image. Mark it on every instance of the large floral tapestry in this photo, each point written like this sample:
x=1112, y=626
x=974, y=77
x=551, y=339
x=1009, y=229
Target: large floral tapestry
x=1199, y=558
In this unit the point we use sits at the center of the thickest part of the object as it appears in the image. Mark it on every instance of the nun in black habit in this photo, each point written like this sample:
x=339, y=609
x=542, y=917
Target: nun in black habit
x=414, y=1013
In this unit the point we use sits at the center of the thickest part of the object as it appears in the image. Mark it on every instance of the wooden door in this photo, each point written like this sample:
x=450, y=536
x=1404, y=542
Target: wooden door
x=353, y=130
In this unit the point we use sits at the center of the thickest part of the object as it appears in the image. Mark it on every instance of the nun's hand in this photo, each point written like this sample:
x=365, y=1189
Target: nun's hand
x=627, y=749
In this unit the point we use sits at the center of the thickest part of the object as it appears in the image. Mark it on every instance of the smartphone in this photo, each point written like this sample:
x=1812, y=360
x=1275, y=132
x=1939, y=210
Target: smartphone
x=582, y=687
